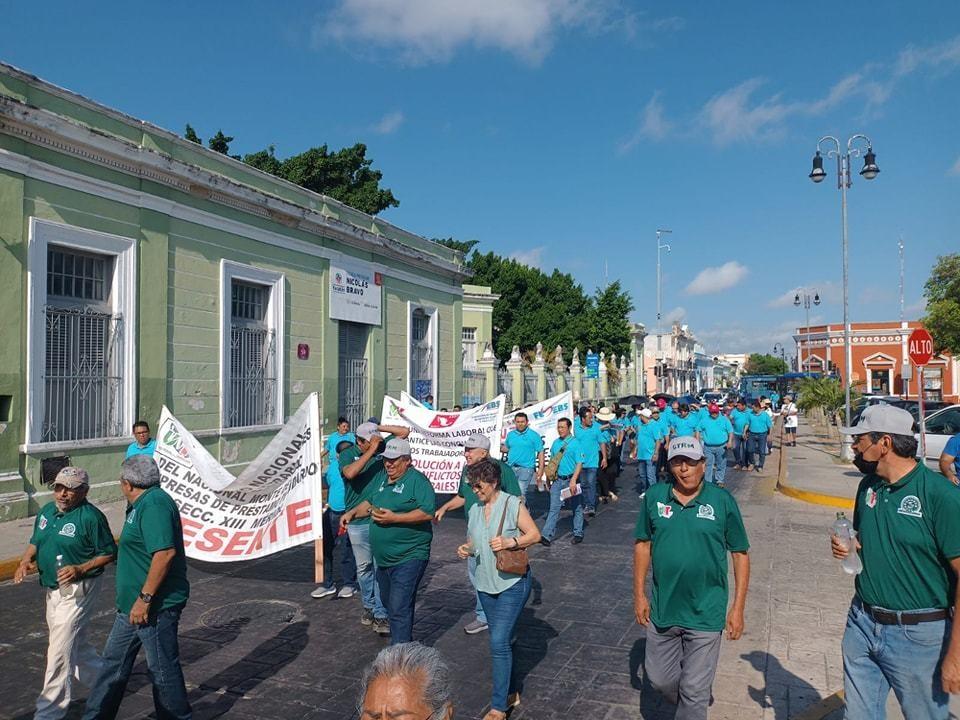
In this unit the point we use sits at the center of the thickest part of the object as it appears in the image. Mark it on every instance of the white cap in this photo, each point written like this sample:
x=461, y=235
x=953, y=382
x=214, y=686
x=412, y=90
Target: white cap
x=687, y=446
x=882, y=418
x=395, y=448
x=646, y=413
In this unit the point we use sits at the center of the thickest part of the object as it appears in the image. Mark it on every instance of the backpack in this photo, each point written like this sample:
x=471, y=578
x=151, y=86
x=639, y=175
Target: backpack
x=553, y=466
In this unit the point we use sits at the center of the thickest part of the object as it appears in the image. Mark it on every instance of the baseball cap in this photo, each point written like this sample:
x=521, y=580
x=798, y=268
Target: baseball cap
x=646, y=413
x=882, y=419
x=477, y=441
x=687, y=446
x=713, y=407
x=661, y=403
x=366, y=430
x=72, y=477
x=395, y=448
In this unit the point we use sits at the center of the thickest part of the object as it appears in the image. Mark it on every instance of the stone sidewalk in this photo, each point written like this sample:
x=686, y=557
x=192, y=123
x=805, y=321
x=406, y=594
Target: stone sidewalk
x=254, y=644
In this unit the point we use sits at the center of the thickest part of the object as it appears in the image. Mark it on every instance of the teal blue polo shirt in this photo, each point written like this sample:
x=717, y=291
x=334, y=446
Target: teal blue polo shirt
x=523, y=447
x=572, y=456
x=739, y=420
x=759, y=422
x=685, y=426
x=647, y=437
x=715, y=431
x=591, y=438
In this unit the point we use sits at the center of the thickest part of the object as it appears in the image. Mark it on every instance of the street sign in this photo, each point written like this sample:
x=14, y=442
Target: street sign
x=920, y=347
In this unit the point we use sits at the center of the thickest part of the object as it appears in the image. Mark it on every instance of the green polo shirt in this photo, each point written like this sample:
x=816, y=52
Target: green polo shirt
x=400, y=543
x=358, y=489
x=909, y=531
x=79, y=535
x=152, y=524
x=689, y=545
x=508, y=483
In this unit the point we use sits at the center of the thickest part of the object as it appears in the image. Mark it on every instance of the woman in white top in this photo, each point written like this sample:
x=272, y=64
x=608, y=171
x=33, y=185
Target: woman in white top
x=498, y=522
x=791, y=417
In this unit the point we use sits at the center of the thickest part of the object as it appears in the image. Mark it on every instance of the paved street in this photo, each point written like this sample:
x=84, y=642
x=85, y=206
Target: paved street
x=255, y=645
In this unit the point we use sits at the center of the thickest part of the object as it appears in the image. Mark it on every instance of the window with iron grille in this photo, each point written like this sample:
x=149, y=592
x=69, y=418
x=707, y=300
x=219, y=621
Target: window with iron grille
x=253, y=363
x=82, y=377
x=469, y=340
x=422, y=361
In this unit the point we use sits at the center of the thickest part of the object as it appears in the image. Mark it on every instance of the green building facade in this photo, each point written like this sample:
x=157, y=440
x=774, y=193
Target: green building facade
x=139, y=270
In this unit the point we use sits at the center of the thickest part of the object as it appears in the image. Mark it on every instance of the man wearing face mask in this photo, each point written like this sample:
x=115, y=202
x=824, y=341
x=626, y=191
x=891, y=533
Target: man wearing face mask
x=899, y=631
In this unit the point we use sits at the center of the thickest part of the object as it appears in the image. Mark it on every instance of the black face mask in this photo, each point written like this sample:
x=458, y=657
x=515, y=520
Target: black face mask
x=865, y=466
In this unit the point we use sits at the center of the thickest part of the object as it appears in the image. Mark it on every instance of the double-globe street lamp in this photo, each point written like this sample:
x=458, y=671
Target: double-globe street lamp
x=869, y=171
x=803, y=298
x=779, y=348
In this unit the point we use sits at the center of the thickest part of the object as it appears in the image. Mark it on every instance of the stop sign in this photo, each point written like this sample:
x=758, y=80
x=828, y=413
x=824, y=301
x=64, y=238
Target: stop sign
x=920, y=347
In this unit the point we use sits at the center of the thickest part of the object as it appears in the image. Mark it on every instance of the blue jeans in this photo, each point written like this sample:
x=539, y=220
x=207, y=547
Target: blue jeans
x=758, y=448
x=503, y=611
x=741, y=455
x=398, y=589
x=524, y=478
x=159, y=640
x=716, y=462
x=366, y=569
x=646, y=474
x=588, y=481
x=576, y=504
x=472, y=572
x=331, y=541
x=905, y=657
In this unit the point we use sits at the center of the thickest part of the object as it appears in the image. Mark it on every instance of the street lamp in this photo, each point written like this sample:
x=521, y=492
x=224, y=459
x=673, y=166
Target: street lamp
x=660, y=246
x=778, y=347
x=869, y=171
x=806, y=301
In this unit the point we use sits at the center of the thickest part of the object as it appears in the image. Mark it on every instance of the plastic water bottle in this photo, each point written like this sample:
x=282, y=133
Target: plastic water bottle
x=843, y=529
x=66, y=589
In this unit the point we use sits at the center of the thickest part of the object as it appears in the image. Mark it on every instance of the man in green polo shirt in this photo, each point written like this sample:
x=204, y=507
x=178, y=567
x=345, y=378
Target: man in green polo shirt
x=70, y=546
x=899, y=632
x=152, y=590
x=401, y=503
x=685, y=530
x=475, y=449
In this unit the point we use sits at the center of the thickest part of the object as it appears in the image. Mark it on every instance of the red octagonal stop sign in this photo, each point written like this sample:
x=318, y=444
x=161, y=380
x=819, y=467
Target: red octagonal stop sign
x=920, y=347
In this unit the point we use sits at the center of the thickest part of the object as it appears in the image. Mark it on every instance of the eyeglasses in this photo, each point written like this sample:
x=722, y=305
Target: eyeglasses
x=64, y=488
x=474, y=485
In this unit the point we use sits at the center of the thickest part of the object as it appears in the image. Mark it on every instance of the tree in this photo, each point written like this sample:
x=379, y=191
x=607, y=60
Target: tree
x=758, y=364
x=611, y=329
x=464, y=246
x=942, y=291
x=190, y=134
x=220, y=143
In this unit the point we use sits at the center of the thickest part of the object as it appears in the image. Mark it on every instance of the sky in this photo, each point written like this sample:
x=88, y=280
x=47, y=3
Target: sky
x=563, y=133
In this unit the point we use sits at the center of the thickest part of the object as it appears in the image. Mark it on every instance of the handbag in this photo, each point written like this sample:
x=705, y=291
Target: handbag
x=511, y=560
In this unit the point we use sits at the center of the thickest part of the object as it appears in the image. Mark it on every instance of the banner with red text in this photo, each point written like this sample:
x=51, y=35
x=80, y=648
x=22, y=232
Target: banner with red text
x=274, y=504
x=542, y=418
x=436, y=438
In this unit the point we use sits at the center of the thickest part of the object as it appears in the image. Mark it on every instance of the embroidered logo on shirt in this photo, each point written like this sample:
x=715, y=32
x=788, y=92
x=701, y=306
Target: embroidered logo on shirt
x=398, y=488
x=871, y=498
x=68, y=530
x=130, y=516
x=43, y=522
x=910, y=505
x=664, y=511
x=706, y=512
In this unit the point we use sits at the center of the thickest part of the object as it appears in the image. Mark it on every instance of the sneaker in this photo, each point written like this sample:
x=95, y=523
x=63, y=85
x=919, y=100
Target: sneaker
x=577, y=539
x=323, y=591
x=366, y=617
x=613, y=497
x=347, y=591
x=590, y=512
x=544, y=542
x=475, y=627
x=720, y=484
x=381, y=626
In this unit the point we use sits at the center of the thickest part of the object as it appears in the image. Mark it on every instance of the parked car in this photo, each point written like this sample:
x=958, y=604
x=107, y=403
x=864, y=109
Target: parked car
x=940, y=426
x=713, y=397
x=913, y=407
x=862, y=403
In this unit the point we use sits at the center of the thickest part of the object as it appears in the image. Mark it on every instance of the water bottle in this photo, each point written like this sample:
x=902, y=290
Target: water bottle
x=843, y=529
x=66, y=589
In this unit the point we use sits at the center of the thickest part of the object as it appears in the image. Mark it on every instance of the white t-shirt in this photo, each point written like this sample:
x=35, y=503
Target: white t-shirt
x=789, y=412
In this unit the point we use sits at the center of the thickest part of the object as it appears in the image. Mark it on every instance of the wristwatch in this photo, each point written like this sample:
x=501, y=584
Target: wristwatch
x=146, y=597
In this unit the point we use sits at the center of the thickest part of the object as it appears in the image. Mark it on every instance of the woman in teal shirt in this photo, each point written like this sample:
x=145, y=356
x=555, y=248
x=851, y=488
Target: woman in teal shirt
x=502, y=595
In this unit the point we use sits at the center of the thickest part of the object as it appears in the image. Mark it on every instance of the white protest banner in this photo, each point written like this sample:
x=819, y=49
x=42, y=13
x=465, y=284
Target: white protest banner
x=543, y=417
x=274, y=504
x=436, y=438
x=355, y=292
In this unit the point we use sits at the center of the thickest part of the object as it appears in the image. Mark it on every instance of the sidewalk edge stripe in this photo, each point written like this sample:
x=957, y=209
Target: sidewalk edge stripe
x=8, y=568
x=806, y=496
x=822, y=709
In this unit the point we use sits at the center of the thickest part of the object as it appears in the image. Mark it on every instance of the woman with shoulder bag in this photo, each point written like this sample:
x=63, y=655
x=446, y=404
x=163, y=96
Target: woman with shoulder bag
x=499, y=531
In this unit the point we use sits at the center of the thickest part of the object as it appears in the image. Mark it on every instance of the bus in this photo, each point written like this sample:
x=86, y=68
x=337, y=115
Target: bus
x=753, y=386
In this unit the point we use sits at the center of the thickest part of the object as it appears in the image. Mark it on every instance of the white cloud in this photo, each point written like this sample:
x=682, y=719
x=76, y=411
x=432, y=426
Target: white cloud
x=653, y=125
x=955, y=168
x=532, y=257
x=714, y=279
x=830, y=293
x=678, y=314
x=915, y=309
x=389, y=123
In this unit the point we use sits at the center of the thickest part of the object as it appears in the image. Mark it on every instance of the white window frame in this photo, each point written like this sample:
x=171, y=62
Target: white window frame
x=434, y=317
x=123, y=302
x=274, y=316
x=472, y=363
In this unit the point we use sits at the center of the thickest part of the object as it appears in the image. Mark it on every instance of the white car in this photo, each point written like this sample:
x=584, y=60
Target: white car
x=941, y=426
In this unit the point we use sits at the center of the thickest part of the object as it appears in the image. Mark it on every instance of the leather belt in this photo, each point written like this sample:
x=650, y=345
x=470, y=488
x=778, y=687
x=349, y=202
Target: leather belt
x=889, y=617
x=717, y=445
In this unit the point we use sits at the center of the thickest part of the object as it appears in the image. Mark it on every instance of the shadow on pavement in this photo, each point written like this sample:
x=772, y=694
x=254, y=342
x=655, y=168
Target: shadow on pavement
x=652, y=705
x=533, y=640
x=774, y=672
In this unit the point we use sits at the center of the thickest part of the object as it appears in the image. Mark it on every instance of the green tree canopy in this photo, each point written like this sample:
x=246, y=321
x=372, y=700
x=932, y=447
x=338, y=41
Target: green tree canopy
x=219, y=143
x=464, y=246
x=190, y=134
x=942, y=291
x=758, y=364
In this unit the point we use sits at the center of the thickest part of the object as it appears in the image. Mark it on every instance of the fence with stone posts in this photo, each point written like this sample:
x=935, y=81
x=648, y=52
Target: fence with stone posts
x=529, y=381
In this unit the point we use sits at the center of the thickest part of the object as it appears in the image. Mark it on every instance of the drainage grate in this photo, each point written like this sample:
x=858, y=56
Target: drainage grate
x=251, y=612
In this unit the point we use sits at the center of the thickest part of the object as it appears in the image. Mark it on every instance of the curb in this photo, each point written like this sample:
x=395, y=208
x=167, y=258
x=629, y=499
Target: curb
x=8, y=568
x=814, y=498
x=822, y=709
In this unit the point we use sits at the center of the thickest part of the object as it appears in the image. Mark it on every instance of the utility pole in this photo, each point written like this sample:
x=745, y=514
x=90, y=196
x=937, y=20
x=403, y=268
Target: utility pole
x=663, y=246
